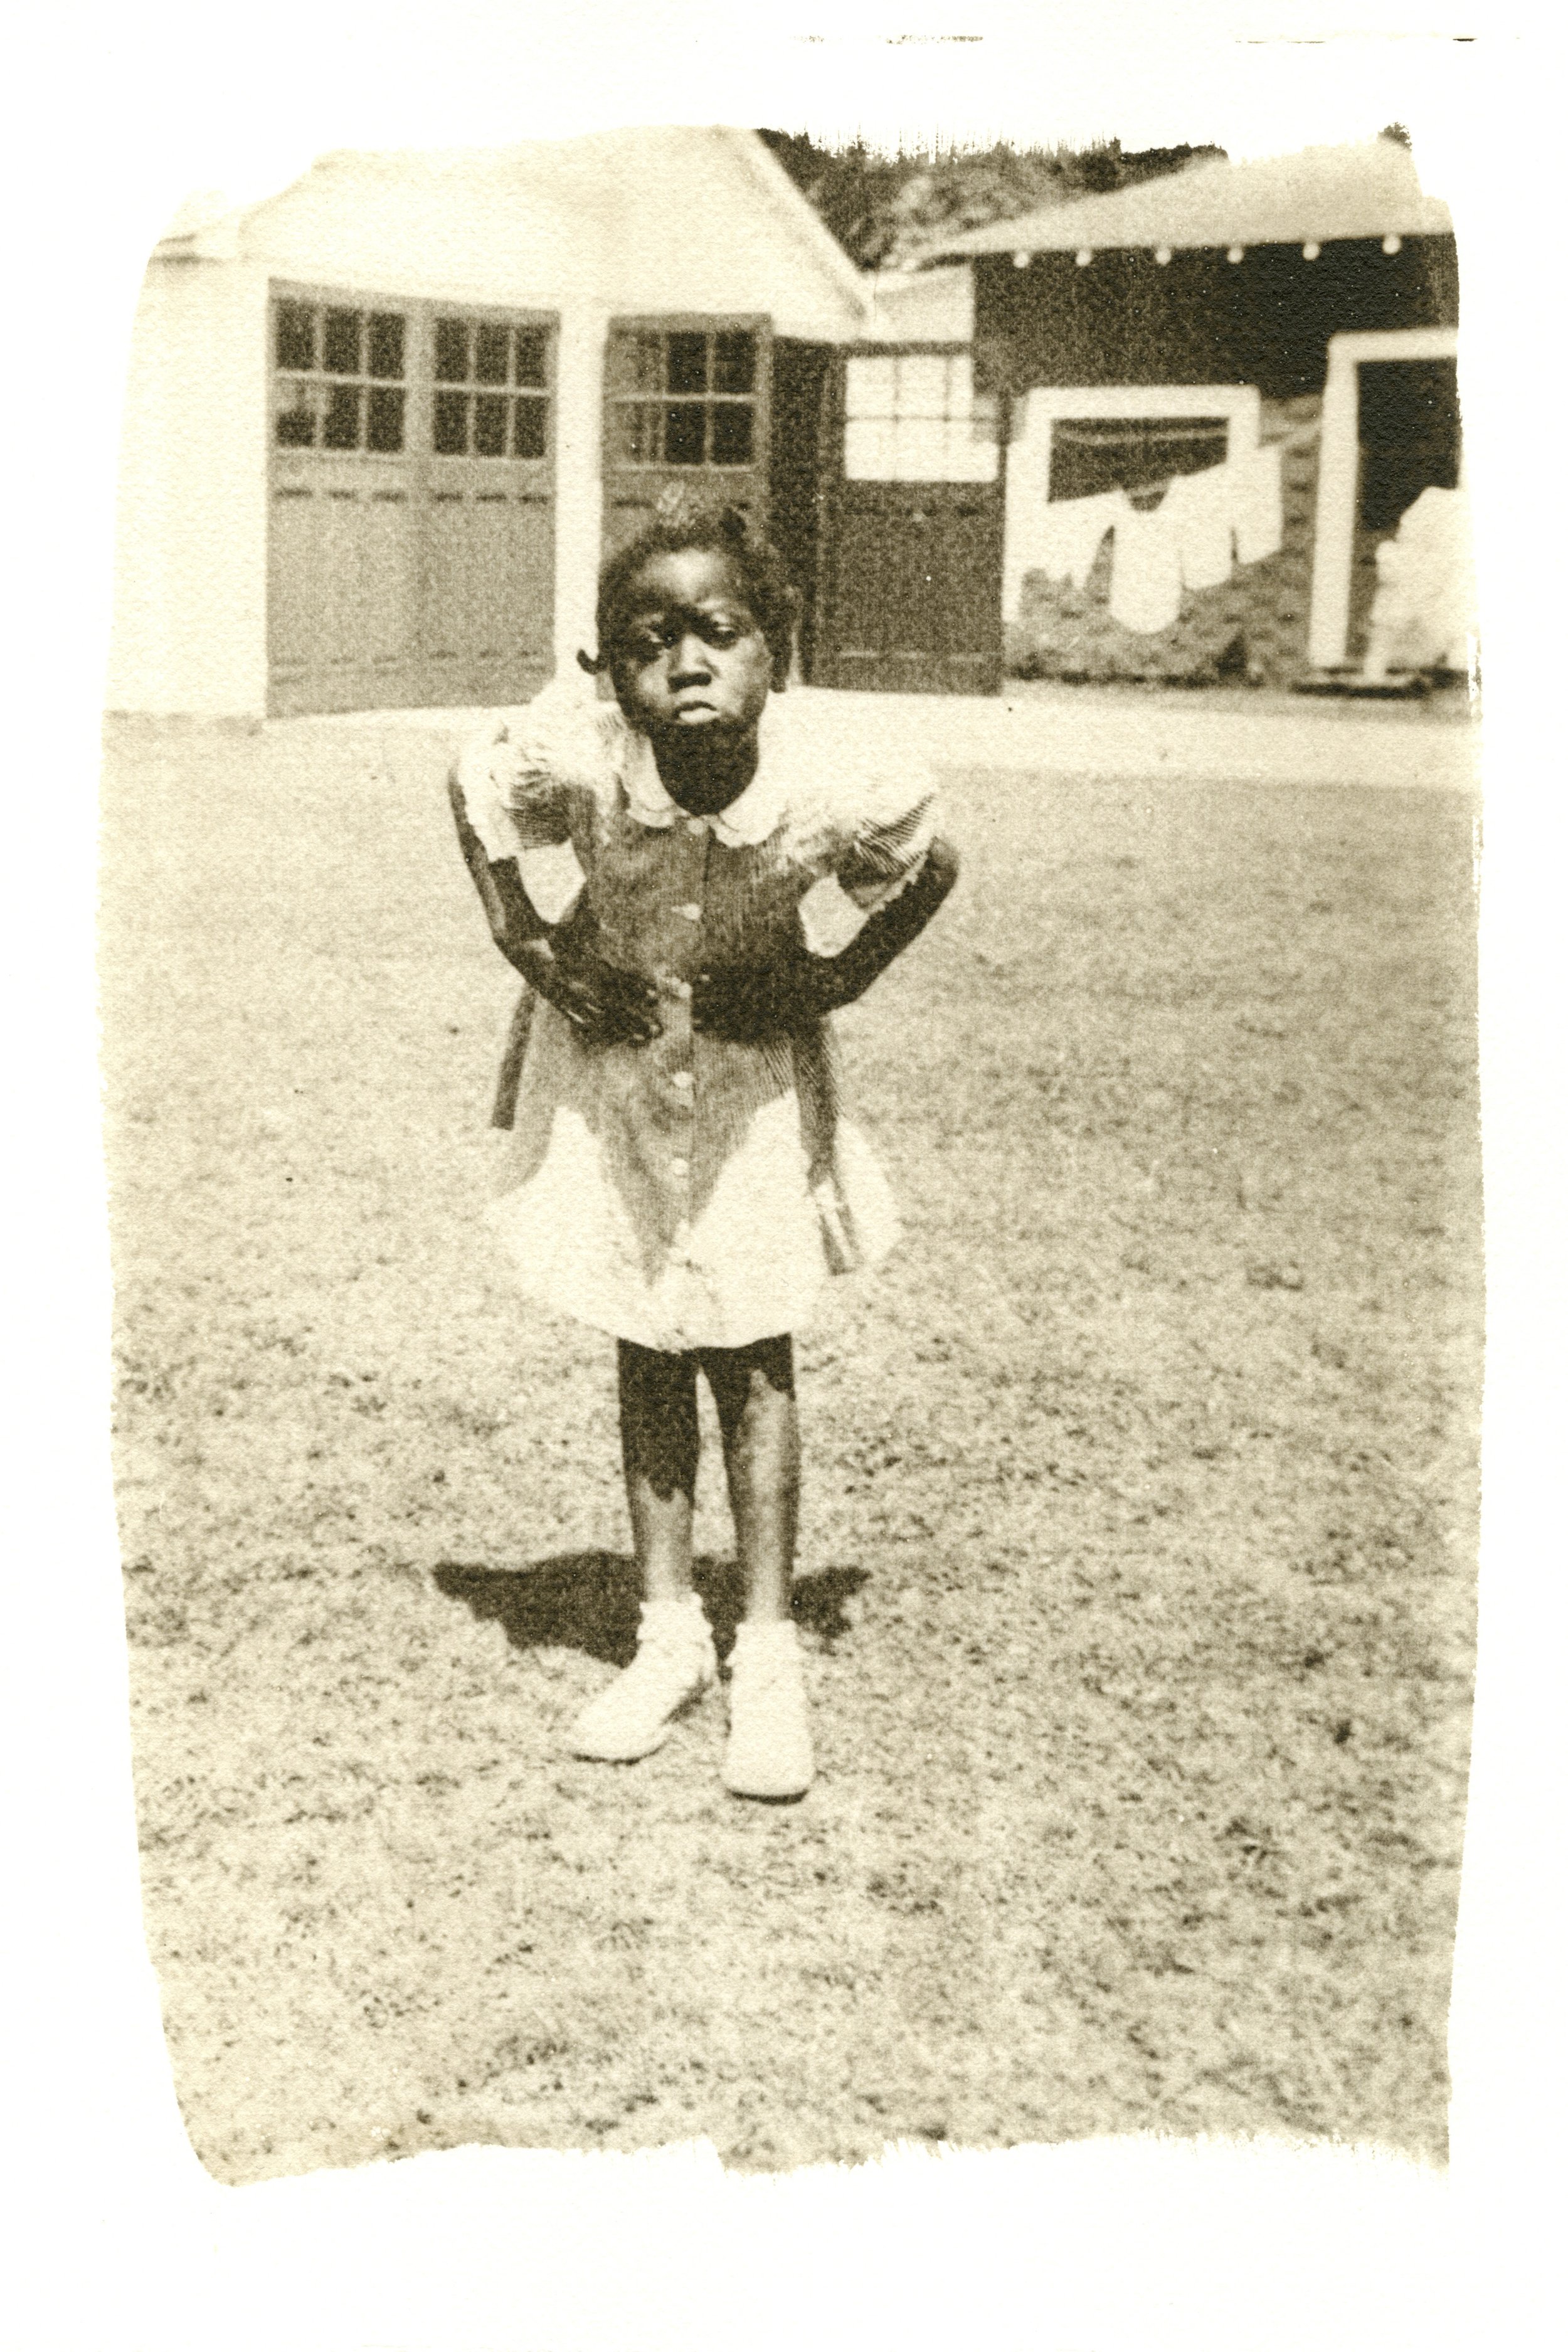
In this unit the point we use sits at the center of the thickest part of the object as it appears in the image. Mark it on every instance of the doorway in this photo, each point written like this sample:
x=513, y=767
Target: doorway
x=911, y=600
x=1408, y=434
x=1411, y=425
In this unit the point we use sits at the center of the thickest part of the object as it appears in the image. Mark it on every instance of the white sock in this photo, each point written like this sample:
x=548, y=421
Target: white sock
x=767, y=1633
x=687, y=1613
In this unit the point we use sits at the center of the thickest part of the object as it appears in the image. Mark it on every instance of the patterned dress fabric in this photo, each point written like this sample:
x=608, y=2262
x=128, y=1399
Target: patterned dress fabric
x=690, y=1192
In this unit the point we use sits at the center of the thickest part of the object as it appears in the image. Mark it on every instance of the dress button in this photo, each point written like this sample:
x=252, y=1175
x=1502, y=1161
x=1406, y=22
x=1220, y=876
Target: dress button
x=691, y=910
x=680, y=1168
x=681, y=987
x=695, y=825
x=681, y=1078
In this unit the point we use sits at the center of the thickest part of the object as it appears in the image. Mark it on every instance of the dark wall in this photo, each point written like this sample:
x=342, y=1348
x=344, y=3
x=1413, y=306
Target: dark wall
x=1200, y=319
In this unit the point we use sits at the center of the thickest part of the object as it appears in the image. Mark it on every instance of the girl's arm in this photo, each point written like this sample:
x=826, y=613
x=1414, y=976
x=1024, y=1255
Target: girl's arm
x=839, y=980
x=514, y=924
x=561, y=962
x=746, y=1004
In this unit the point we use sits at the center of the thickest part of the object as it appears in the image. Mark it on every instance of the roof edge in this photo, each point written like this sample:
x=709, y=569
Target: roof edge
x=944, y=256
x=1083, y=220
x=775, y=183
x=215, y=240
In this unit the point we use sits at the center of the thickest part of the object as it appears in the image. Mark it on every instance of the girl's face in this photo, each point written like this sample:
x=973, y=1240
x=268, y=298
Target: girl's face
x=688, y=654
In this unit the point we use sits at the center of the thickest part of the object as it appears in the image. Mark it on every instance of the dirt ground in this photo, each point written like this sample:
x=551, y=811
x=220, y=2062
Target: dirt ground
x=1138, y=1557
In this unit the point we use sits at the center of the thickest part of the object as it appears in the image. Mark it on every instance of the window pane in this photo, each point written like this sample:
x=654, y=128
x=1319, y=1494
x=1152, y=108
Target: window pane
x=683, y=433
x=532, y=357
x=341, y=430
x=732, y=432
x=341, y=341
x=868, y=449
x=923, y=385
x=491, y=353
x=645, y=362
x=868, y=391
x=971, y=456
x=490, y=424
x=384, y=429
x=296, y=335
x=385, y=343
x=734, y=360
x=451, y=351
x=688, y=363
x=450, y=438
x=296, y=421
x=920, y=451
x=639, y=434
x=529, y=428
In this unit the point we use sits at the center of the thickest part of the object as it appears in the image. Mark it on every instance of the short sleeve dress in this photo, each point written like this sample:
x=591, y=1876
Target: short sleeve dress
x=690, y=1192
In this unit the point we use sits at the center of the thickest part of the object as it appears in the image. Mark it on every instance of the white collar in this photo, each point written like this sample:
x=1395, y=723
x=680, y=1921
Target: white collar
x=750, y=818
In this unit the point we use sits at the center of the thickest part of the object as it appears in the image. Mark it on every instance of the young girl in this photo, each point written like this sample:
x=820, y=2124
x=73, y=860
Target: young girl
x=690, y=897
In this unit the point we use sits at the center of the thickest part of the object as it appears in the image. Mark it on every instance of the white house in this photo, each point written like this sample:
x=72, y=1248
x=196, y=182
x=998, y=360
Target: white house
x=380, y=427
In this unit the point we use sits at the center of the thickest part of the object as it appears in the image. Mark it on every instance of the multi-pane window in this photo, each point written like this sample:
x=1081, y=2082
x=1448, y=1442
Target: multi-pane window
x=686, y=396
x=492, y=390
x=913, y=416
x=340, y=377
x=1093, y=454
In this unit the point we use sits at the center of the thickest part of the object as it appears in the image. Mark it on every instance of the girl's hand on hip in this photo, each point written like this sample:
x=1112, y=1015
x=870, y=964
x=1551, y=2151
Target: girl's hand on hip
x=605, y=1004
x=746, y=1003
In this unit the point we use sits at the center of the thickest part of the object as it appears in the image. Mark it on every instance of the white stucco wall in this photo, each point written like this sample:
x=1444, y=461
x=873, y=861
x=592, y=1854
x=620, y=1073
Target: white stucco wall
x=698, y=230
x=476, y=229
x=189, y=629
x=579, y=478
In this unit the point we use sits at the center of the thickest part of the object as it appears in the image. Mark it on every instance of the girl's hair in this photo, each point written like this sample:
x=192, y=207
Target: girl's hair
x=680, y=523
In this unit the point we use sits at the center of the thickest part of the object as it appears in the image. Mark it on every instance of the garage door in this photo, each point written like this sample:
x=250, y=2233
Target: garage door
x=686, y=400
x=913, y=595
x=411, y=542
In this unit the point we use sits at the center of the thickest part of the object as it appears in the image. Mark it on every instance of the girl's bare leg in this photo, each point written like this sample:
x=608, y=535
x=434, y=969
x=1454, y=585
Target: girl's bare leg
x=658, y=1454
x=674, y=1664
x=753, y=1389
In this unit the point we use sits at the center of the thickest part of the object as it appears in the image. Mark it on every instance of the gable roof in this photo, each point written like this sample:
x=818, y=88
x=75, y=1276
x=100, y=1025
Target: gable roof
x=796, y=211
x=581, y=178
x=1367, y=190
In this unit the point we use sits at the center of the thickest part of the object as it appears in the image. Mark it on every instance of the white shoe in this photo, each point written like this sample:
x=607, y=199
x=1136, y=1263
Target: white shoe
x=674, y=1665
x=768, y=1753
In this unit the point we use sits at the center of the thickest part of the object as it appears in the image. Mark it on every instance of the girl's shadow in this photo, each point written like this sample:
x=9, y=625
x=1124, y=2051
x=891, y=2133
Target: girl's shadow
x=588, y=1600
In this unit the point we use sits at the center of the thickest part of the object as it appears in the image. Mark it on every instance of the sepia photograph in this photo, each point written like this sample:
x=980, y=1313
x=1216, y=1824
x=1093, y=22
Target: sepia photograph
x=1087, y=532
x=787, y=956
